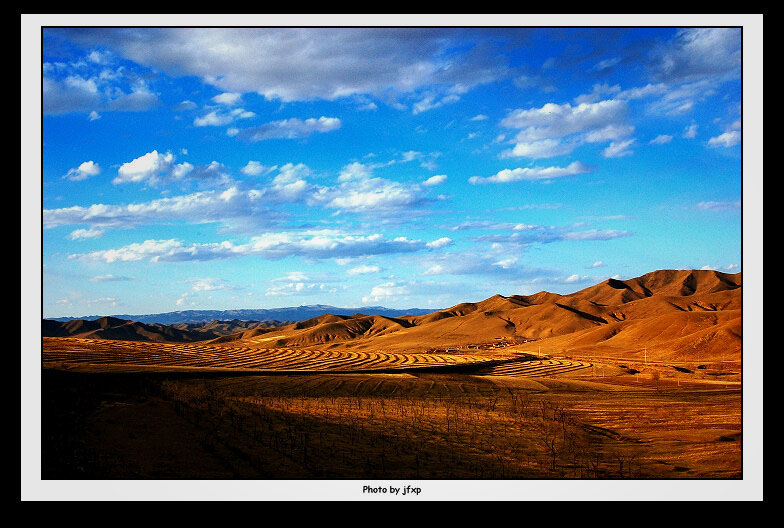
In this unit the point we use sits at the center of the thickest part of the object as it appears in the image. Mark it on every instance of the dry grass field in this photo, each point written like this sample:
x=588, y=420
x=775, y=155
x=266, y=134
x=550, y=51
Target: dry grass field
x=648, y=387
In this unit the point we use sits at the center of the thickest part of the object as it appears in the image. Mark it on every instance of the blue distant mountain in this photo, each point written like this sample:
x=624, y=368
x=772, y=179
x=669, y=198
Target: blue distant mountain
x=294, y=313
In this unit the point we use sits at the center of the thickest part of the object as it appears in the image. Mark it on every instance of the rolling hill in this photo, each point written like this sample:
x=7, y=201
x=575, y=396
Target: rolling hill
x=674, y=313
x=670, y=314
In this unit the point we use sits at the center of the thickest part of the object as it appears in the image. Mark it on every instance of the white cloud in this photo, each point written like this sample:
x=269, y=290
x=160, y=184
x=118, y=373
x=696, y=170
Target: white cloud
x=643, y=91
x=213, y=119
x=479, y=117
x=360, y=192
x=309, y=244
x=598, y=91
x=202, y=206
x=661, y=139
x=138, y=100
x=544, y=148
x=727, y=139
x=228, y=98
x=386, y=290
x=181, y=170
x=185, y=105
x=146, y=168
x=533, y=174
x=81, y=234
x=300, y=64
x=696, y=53
x=363, y=270
x=555, y=130
x=433, y=101
x=719, y=206
x=690, y=132
x=86, y=85
x=555, y=121
x=441, y=242
x=209, y=284
x=254, y=168
x=435, y=180
x=83, y=171
x=289, y=129
x=71, y=94
x=298, y=288
x=618, y=149
x=597, y=264
x=239, y=205
x=506, y=263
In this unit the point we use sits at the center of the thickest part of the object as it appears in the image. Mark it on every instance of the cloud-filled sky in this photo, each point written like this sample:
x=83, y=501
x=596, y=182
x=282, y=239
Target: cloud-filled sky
x=198, y=168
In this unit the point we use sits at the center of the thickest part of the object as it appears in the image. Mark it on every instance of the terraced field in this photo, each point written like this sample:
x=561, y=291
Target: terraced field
x=99, y=352
x=536, y=368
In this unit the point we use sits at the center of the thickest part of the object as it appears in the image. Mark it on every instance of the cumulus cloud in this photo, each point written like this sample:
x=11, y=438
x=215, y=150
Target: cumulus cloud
x=275, y=245
x=533, y=173
x=209, y=284
x=697, y=53
x=544, y=148
x=554, y=120
x=146, y=168
x=557, y=129
x=727, y=139
x=473, y=263
x=228, y=98
x=597, y=93
x=156, y=168
x=387, y=291
x=81, y=234
x=255, y=168
x=289, y=129
x=618, y=149
x=220, y=118
x=71, y=94
x=83, y=171
x=88, y=85
x=435, y=180
x=240, y=204
x=139, y=99
x=690, y=132
x=359, y=191
x=213, y=119
x=363, y=269
x=440, y=243
x=300, y=64
x=661, y=139
x=204, y=206
x=298, y=288
x=432, y=101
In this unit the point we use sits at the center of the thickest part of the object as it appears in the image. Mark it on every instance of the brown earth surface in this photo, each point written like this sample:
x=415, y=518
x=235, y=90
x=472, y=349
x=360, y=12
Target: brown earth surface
x=626, y=379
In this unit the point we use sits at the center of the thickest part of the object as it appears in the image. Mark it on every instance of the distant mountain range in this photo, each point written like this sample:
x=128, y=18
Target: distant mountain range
x=290, y=314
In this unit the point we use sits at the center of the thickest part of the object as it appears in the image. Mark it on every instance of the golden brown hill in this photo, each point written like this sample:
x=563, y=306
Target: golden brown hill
x=676, y=313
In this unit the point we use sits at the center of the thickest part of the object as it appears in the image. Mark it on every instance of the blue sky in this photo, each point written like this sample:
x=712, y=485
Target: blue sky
x=256, y=168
